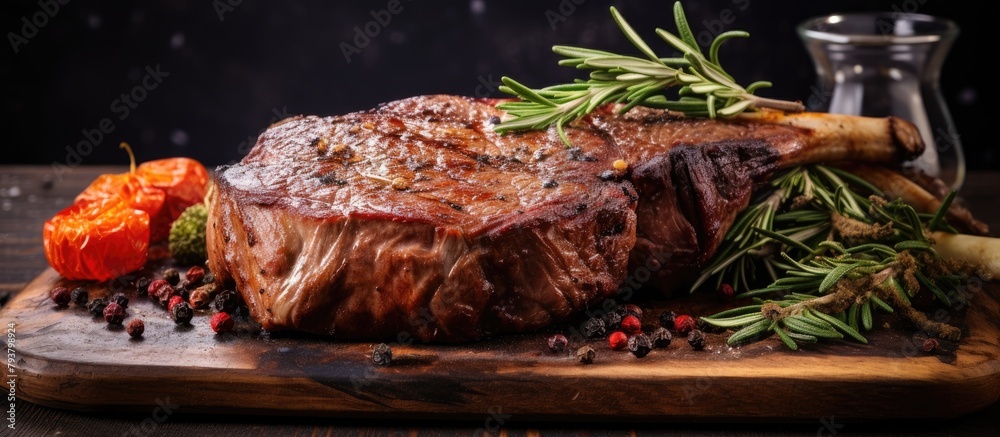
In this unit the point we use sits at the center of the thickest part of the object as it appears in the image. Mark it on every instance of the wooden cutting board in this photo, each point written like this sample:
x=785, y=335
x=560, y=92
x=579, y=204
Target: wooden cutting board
x=67, y=359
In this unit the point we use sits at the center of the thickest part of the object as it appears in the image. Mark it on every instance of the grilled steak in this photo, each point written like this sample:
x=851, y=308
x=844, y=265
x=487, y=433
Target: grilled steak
x=415, y=217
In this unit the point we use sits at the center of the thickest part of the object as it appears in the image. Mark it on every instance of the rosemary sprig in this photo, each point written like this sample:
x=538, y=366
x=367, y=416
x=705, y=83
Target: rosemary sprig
x=706, y=90
x=842, y=251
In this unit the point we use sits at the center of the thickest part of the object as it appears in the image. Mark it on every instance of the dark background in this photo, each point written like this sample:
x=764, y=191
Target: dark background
x=235, y=69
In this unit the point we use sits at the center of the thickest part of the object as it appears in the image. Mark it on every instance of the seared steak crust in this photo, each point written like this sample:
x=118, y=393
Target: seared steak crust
x=416, y=217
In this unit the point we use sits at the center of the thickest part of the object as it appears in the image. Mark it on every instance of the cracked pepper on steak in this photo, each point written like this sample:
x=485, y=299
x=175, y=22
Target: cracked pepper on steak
x=417, y=217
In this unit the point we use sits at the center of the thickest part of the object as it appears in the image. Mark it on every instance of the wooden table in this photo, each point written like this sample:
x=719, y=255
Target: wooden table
x=31, y=194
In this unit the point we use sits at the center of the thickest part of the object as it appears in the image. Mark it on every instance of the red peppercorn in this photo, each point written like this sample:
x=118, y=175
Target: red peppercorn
x=174, y=300
x=135, y=328
x=60, y=295
x=683, y=324
x=726, y=292
x=631, y=325
x=155, y=285
x=114, y=314
x=617, y=340
x=222, y=322
x=930, y=345
x=557, y=343
x=194, y=275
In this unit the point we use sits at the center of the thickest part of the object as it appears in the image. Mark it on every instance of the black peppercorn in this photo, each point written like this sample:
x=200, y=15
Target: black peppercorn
x=79, y=296
x=172, y=276
x=182, y=291
x=120, y=299
x=96, y=306
x=661, y=337
x=558, y=343
x=612, y=321
x=142, y=286
x=382, y=355
x=586, y=354
x=667, y=319
x=640, y=345
x=226, y=302
x=696, y=339
x=594, y=328
x=208, y=279
x=182, y=313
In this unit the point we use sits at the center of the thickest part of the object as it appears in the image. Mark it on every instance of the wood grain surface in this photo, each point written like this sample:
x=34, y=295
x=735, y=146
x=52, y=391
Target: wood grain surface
x=69, y=360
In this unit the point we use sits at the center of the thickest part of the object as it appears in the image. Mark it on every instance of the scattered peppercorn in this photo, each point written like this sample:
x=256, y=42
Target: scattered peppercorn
x=135, y=328
x=696, y=339
x=96, y=307
x=120, y=299
x=60, y=295
x=172, y=276
x=174, y=300
x=201, y=297
x=182, y=291
x=634, y=310
x=142, y=286
x=226, y=302
x=726, y=292
x=209, y=278
x=640, y=345
x=154, y=286
x=114, y=314
x=667, y=319
x=631, y=325
x=194, y=275
x=683, y=324
x=182, y=313
x=163, y=293
x=617, y=340
x=558, y=343
x=382, y=355
x=612, y=320
x=620, y=165
x=79, y=296
x=930, y=345
x=661, y=338
x=586, y=354
x=606, y=175
x=221, y=322
x=594, y=328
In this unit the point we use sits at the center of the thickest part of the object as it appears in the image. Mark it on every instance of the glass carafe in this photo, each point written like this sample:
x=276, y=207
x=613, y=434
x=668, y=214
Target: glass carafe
x=881, y=64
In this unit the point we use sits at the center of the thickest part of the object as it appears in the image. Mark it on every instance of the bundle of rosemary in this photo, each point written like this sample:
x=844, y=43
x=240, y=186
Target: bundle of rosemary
x=835, y=250
x=705, y=89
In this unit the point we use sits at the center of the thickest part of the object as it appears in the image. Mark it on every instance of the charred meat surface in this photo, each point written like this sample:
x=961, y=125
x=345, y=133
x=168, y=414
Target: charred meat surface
x=415, y=217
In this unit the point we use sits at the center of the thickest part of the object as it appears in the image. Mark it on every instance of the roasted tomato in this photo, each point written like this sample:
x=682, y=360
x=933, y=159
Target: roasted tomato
x=183, y=181
x=130, y=189
x=163, y=188
x=97, y=240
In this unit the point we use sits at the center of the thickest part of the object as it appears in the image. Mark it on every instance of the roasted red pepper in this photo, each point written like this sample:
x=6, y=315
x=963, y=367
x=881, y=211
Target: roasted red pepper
x=97, y=240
